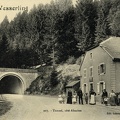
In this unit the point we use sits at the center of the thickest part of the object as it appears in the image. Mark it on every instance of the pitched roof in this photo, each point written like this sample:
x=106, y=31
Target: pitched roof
x=112, y=47
x=72, y=83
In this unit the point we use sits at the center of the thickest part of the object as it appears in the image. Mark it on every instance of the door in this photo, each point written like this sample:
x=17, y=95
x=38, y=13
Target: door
x=91, y=86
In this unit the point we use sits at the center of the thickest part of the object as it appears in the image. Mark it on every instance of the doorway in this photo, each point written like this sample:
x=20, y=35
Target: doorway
x=91, y=86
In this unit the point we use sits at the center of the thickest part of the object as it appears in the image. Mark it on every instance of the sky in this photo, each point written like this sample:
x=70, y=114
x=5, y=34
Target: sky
x=18, y=5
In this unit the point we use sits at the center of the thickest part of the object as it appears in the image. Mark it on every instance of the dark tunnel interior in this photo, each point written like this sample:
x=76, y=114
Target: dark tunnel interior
x=10, y=85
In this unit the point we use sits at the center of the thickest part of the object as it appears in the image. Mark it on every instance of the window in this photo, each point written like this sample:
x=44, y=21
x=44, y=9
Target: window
x=91, y=86
x=91, y=55
x=101, y=69
x=85, y=73
x=84, y=88
x=100, y=87
x=91, y=71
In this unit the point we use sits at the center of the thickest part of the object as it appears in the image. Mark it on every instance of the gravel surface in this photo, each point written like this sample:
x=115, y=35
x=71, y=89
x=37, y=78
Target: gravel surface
x=48, y=108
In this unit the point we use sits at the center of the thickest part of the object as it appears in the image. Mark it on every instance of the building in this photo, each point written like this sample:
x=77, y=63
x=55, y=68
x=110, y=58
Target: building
x=73, y=86
x=100, y=68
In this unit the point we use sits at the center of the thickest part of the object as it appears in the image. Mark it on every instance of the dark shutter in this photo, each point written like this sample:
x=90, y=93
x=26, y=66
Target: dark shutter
x=98, y=70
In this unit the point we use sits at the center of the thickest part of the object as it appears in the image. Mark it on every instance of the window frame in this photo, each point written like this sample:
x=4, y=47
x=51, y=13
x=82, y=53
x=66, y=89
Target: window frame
x=85, y=73
x=91, y=56
x=91, y=73
x=102, y=70
x=99, y=91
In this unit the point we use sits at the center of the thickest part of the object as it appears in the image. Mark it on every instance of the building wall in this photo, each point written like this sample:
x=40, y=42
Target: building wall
x=106, y=80
x=117, y=70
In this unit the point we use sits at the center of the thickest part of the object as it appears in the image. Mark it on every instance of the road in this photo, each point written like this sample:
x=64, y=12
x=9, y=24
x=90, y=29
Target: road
x=48, y=108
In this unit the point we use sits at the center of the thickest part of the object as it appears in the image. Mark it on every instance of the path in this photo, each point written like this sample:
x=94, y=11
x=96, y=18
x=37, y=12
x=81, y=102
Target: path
x=47, y=108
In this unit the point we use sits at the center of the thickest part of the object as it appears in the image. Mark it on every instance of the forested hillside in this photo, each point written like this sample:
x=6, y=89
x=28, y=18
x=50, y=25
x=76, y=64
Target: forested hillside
x=50, y=34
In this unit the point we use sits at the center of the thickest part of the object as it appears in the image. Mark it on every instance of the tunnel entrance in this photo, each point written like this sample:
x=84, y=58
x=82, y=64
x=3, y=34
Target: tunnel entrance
x=11, y=85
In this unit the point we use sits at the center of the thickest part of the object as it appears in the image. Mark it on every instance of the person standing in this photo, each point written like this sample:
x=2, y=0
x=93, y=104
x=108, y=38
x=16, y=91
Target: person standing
x=105, y=96
x=102, y=100
x=112, y=98
x=74, y=98
x=60, y=99
x=92, y=97
x=69, y=97
x=63, y=96
x=119, y=98
x=80, y=96
x=86, y=98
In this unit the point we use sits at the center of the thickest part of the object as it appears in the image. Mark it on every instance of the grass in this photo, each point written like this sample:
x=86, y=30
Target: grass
x=5, y=106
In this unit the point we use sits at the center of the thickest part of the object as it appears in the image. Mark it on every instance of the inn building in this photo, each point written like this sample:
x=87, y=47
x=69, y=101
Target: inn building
x=100, y=68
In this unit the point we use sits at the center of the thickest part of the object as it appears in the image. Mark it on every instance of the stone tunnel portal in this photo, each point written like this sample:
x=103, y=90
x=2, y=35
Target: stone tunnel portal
x=11, y=85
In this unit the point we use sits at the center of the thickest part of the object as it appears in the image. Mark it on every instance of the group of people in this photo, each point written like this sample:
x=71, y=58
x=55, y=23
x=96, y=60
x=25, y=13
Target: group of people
x=113, y=98
x=72, y=98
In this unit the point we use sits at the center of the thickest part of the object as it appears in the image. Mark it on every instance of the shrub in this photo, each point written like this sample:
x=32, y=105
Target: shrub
x=54, y=78
x=78, y=61
x=71, y=60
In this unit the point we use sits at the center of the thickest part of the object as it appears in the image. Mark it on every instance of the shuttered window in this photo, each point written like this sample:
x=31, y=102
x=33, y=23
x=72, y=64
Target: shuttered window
x=85, y=73
x=98, y=70
x=98, y=88
x=91, y=71
x=102, y=69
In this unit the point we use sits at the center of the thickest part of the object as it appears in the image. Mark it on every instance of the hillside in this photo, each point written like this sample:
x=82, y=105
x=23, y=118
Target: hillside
x=51, y=81
x=71, y=70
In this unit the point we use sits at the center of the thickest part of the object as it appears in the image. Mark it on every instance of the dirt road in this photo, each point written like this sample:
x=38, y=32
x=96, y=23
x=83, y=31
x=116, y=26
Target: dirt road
x=48, y=108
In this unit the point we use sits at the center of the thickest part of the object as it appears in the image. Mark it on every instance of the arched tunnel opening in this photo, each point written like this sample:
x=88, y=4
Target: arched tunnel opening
x=11, y=85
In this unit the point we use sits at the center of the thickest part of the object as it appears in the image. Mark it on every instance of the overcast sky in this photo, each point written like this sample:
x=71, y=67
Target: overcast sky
x=21, y=3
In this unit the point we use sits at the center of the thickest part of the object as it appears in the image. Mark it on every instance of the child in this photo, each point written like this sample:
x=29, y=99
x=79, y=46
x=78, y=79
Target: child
x=60, y=98
x=106, y=101
x=63, y=96
x=86, y=98
x=74, y=98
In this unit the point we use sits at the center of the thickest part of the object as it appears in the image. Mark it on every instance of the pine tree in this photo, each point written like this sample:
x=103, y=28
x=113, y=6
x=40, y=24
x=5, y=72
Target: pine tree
x=4, y=25
x=66, y=42
x=63, y=4
x=102, y=27
x=115, y=25
x=53, y=78
x=53, y=13
x=113, y=17
x=4, y=47
x=85, y=23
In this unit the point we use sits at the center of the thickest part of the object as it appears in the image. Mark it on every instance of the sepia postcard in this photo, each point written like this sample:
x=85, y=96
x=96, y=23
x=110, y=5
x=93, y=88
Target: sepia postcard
x=59, y=59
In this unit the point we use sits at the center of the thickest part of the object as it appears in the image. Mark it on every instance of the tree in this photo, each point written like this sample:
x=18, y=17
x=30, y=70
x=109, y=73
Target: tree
x=53, y=79
x=66, y=42
x=86, y=15
x=4, y=24
x=113, y=17
x=115, y=25
x=102, y=28
x=53, y=14
x=63, y=4
x=18, y=57
x=3, y=50
x=40, y=43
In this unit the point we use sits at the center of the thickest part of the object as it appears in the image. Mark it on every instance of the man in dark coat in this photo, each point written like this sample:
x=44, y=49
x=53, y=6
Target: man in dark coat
x=104, y=96
x=80, y=95
x=69, y=97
